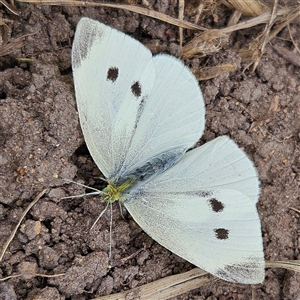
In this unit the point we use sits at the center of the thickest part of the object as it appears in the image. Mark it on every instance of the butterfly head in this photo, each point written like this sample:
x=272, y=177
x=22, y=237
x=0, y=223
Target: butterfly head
x=114, y=191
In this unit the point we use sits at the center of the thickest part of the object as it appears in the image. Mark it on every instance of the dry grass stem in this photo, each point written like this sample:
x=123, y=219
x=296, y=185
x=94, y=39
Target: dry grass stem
x=165, y=288
x=175, y=285
x=208, y=42
x=134, y=8
x=180, y=17
x=38, y=197
x=10, y=7
x=247, y=7
x=212, y=72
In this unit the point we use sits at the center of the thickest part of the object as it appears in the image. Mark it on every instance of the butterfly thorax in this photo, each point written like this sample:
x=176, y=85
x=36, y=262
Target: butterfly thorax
x=114, y=191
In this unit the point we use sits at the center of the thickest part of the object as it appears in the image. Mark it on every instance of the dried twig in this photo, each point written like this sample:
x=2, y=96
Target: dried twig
x=165, y=288
x=134, y=8
x=10, y=7
x=175, y=285
x=38, y=197
x=264, y=18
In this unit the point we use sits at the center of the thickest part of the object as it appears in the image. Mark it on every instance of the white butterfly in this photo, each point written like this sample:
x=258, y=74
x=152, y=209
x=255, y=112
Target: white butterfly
x=139, y=115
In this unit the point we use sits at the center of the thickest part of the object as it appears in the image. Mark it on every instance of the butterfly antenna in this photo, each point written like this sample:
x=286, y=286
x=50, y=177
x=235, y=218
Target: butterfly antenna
x=96, y=191
x=80, y=184
x=121, y=209
x=110, y=235
x=101, y=214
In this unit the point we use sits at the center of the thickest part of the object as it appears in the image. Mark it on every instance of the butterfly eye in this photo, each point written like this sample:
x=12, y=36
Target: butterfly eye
x=216, y=205
x=136, y=89
x=112, y=74
x=221, y=233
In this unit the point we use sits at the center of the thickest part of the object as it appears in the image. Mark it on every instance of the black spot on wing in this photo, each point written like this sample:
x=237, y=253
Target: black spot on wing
x=112, y=74
x=216, y=205
x=136, y=89
x=221, y=233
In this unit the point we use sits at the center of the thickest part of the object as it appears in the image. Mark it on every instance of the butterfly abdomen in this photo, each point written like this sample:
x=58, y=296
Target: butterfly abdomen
x=157, y=165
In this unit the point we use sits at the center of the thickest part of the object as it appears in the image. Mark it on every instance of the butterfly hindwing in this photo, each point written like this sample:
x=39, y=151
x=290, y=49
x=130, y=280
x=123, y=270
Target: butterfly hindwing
x=219, y=164
x=201, y=210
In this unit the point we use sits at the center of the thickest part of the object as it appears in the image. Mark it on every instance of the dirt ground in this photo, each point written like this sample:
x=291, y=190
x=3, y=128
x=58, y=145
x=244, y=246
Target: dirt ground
x=40, y=136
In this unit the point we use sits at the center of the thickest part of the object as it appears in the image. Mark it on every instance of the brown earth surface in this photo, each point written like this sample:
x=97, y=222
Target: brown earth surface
x=40, y=136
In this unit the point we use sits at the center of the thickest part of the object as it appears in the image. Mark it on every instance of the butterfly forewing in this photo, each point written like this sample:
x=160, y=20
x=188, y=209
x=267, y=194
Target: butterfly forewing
x=110, y=92
x=126, y=100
